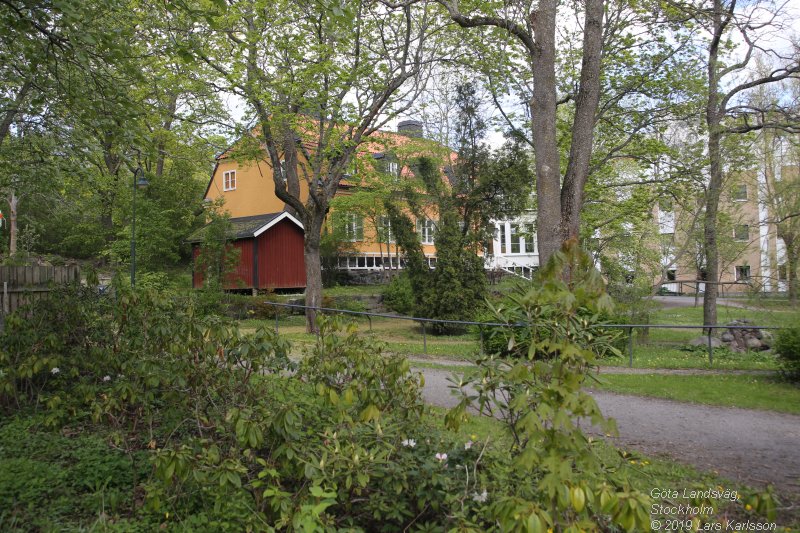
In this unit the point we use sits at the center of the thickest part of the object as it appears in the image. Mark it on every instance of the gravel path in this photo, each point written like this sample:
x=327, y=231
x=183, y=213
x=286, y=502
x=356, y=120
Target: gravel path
x=752, y=447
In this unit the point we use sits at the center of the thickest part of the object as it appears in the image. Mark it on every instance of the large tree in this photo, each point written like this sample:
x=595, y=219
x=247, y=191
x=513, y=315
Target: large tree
x=734, y=35
x=318, y=78
x=607, y=64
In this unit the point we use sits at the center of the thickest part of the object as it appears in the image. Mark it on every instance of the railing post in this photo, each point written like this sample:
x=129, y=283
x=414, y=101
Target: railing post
x=710, y=348
x=276, y=317
x=630, y=347
x=424, y=339
x=369, y=317
x=480, y=328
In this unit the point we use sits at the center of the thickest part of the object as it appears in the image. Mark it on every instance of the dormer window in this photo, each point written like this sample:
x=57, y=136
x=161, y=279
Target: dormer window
x=229, y=180
x=740, y=193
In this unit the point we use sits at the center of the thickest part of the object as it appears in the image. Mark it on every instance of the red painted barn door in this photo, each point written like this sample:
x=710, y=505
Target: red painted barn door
x=280, y=257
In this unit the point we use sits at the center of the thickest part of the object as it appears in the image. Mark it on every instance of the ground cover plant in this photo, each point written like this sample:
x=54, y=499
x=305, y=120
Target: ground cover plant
x=207, y=428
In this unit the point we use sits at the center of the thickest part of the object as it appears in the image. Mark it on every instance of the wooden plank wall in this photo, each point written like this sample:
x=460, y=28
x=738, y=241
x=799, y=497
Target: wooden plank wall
x=20, y=285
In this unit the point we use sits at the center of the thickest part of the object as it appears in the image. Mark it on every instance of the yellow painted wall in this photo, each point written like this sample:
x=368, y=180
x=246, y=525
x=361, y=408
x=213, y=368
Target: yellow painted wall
x=255, y=189
x=255, y=195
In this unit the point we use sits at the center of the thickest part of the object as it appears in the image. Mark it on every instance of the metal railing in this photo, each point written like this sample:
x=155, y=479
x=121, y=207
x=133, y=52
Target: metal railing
x=423, y=321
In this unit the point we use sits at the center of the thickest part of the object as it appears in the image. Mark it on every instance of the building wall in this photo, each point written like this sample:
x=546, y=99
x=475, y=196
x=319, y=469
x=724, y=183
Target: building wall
x=255, y=188
x=757, y=252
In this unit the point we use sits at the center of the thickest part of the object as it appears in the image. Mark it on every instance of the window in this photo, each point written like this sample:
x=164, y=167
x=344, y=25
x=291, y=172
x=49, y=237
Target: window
x=671, y=274
x=386, y=234
x=740, y=192
x=743, y=273
x=741, y=232
x=393, y=168
x=229, y=180
x=782, y=272
x=353, y=227
x=665, y=205
x=426, y=229
x=523, y=239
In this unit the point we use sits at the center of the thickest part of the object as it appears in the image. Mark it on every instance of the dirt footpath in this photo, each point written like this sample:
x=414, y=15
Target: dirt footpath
x=748, y=446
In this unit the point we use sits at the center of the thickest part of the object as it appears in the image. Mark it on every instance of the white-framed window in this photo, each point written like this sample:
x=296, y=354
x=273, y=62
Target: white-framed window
x=387, y=235
x=353, y=227
x=229, y=180
x=521, y=239
x=393, y=168
x=427, y=230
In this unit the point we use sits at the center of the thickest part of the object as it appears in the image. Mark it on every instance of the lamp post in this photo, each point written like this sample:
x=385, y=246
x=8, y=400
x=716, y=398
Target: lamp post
x=137, y=183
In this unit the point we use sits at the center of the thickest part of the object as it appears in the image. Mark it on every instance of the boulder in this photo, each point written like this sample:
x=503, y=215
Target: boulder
x=727, y=337
x=753, y=343
x=703, y=341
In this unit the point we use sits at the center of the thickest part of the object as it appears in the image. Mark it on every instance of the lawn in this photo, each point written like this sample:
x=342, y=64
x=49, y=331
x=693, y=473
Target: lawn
x=746, y=391
x=407, y=338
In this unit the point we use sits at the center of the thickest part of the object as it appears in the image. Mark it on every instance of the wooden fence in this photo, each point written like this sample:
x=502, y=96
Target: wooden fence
x=24, y=284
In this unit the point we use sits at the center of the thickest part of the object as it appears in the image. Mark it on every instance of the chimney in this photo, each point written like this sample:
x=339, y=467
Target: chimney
x=410, y=128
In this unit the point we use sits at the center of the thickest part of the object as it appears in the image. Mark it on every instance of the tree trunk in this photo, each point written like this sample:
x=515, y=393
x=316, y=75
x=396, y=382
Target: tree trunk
x=710, y=229
x=311, y=252
x=791, y=270
x=11, y=113
x=13, y=232
x=586, y=102
x=713, y=120
x=167, y=126
x=544, y=135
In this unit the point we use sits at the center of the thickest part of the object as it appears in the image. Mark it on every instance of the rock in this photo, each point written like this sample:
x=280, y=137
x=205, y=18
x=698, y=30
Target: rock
x=766, y=339
x=727, y=337
x=758, y=334
x=753, y=343
x=703, y=341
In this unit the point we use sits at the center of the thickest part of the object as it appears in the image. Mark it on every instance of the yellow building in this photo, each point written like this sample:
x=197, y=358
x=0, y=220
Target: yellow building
x=248, y=191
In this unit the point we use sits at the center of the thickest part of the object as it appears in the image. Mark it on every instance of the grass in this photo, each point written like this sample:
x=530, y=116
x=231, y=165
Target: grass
x=746, y=391
x=354, y=290
x=660, y=356
x=694, y=316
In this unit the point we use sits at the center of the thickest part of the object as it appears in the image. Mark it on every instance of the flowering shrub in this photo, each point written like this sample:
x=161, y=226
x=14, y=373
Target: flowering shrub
x=241, y=438
x=539, y=397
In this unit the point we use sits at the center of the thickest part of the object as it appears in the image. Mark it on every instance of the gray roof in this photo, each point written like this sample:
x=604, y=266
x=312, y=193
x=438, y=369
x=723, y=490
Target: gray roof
x=241, y=228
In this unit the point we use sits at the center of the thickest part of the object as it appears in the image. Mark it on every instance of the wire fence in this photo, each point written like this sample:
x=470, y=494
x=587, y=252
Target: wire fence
x=629, y=328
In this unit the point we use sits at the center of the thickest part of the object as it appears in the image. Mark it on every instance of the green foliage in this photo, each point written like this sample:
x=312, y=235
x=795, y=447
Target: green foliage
x=540, y=398
x=456, y=288
x=557, y=310
x=217, y=259
x=399, y=294
x=787, y=346
x=163, y=418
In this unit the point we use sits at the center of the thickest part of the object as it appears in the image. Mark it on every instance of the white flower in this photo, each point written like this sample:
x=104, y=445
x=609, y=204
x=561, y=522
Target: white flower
x=441, y=457
x=409, y=443
x=480, y=498
x=55, y=371
x=106, y=378
x=468, y=445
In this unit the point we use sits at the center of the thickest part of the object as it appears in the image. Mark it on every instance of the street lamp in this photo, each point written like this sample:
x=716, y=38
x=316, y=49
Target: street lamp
x=137, y=183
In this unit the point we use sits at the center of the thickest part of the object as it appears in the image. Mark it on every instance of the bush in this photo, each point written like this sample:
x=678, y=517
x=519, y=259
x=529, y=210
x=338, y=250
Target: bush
x=551, y=311
x=787, y=347
x=399, y=295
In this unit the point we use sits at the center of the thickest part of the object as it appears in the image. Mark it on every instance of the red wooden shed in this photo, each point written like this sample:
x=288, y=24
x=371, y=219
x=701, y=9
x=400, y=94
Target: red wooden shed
x=270, y=253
